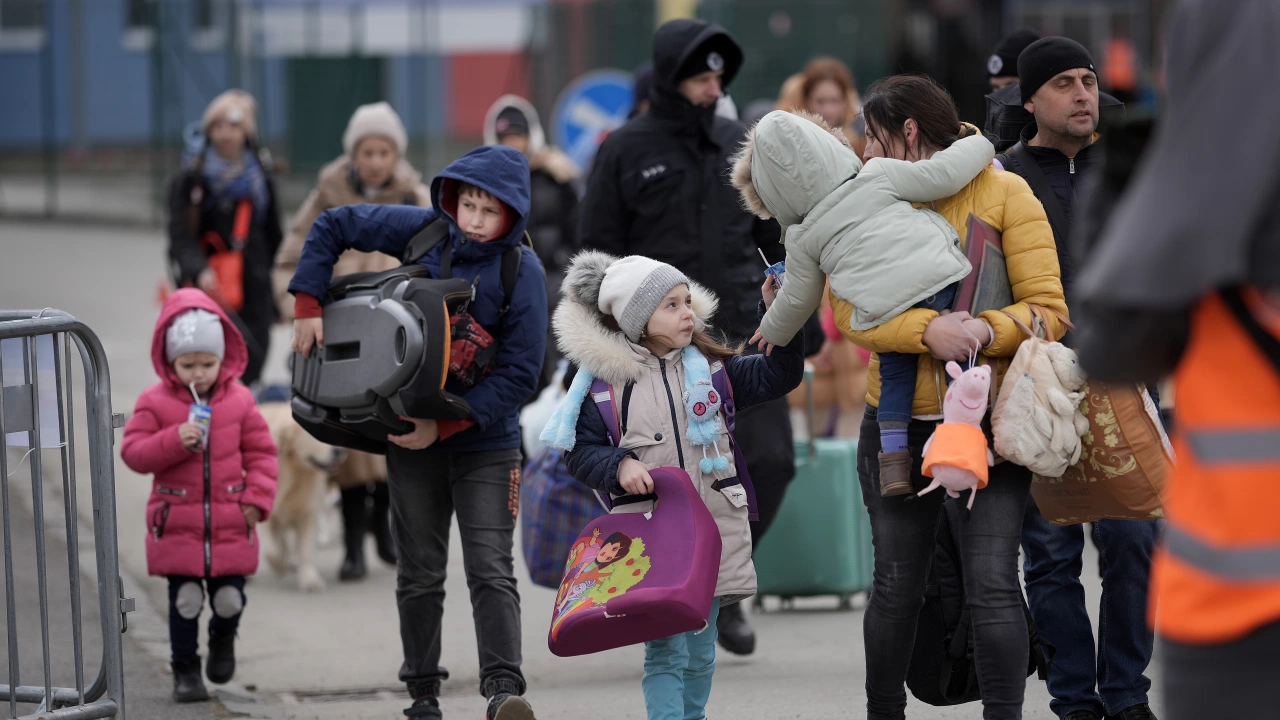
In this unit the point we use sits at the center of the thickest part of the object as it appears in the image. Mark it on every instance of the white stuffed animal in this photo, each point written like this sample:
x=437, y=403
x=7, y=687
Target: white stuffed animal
x=1037, y=421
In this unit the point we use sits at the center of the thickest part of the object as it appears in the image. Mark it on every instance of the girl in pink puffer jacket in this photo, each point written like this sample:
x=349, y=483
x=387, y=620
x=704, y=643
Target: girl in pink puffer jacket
x=213, y=482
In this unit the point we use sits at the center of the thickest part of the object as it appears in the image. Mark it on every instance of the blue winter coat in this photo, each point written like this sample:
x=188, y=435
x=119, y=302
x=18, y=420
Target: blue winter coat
x=521, y=334
x=755, y=379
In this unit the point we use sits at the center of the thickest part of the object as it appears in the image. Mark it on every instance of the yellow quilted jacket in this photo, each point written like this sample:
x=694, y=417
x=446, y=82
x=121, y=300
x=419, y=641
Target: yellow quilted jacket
x=1006, y=202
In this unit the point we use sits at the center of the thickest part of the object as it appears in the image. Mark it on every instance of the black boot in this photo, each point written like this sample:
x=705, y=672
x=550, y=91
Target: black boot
x=382, y=523
x=735, y=634
x=222, y=658
x=355, y=522
x=187, y=685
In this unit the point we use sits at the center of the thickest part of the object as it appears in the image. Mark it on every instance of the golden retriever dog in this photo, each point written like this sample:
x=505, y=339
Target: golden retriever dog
x=305, y=467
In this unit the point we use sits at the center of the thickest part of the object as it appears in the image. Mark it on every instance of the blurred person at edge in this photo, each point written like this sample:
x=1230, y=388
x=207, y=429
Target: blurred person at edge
x=825, y=87
x=659, y=187
x=1184, y=277
x=224, y=222
x=371, y=169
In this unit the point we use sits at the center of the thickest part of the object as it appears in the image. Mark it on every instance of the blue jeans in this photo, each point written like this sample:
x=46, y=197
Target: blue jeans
x=677, y=673
x=1113, y=679
x=898, y=370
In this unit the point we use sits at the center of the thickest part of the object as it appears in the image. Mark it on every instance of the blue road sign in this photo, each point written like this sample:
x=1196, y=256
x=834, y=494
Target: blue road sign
x=588, y=109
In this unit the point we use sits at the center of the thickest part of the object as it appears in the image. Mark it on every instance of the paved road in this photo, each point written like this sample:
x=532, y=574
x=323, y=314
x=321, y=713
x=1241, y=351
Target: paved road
x=336, y=654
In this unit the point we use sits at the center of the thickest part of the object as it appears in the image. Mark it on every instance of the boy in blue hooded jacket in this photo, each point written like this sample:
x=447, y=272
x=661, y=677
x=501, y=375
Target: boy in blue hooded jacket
x=472, y=466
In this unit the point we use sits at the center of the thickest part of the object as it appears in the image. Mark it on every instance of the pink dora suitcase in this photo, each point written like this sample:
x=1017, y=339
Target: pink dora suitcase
x=635, y=577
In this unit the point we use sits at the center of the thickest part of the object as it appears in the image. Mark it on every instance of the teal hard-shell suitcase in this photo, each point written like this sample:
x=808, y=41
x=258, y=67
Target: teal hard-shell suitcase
x=820, y=542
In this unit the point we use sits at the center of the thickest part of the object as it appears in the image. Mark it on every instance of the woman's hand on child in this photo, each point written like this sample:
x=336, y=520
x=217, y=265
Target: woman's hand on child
x=252, y=515
x=634, y=477
x=307, y=332
x=190, y=435
x=947, y=338
x=424, y=435
x=759, y=341
x=768, y=292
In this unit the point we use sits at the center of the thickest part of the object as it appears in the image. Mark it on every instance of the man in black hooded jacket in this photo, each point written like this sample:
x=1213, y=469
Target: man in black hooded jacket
x=659, y=187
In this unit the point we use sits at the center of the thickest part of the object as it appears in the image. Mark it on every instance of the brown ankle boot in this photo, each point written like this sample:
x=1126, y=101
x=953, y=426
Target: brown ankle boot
x=895, y=473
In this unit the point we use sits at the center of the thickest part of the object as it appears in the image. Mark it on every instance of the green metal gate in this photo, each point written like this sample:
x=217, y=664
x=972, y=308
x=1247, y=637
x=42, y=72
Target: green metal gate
x=323, y=92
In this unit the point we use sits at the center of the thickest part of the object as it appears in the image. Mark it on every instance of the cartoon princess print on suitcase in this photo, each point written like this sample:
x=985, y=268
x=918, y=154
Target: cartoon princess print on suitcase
x=599, y=571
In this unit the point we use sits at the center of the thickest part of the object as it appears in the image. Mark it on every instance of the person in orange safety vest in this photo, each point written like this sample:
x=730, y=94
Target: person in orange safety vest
x=1185, y=278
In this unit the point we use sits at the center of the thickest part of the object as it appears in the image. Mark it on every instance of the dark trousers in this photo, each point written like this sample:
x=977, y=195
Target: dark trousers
x=1111, y=679
x=903, y=536
x=185, y=604
x=1231, y=681
x=764, y=436
x=483, y=489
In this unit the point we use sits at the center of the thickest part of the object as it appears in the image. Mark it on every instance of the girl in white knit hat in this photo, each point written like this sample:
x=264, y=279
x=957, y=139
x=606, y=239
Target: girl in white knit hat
x=372, y=169
x=640, y=326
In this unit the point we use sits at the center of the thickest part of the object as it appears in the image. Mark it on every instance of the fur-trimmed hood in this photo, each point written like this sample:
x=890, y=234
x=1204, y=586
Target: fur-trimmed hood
x=580, y=328
x=537, y=138
x=544, y=157
x=789, y=162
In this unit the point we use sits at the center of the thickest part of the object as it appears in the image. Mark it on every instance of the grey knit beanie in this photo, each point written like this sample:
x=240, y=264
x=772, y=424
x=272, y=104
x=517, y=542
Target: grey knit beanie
x=194, y=331
x=632, y=289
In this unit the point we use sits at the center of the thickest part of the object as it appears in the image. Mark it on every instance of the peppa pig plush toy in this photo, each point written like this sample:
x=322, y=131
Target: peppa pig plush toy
x=957, y=456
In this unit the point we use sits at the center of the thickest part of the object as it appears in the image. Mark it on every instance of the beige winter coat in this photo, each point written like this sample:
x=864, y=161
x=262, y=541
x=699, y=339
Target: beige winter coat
x=335, y=189
x=651, y=433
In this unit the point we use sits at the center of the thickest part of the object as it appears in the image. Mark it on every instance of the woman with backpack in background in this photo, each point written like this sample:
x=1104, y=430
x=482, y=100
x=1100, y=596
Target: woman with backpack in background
x=224, y=223
x=911, y=117
x=372, y=169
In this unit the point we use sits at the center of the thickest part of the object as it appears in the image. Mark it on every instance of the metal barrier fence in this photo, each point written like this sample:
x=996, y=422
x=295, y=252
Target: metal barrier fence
x=20, y=412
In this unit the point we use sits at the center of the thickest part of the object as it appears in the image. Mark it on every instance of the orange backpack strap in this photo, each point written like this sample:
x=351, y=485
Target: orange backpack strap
x=240, y=228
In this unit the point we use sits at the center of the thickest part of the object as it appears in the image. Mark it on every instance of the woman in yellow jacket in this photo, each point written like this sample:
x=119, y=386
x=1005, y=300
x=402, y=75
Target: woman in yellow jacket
x=910, y=117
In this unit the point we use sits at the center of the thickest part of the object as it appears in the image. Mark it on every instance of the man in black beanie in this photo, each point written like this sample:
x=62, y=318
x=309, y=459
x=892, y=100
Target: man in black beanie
x=1002, y=66
x=1056, y=155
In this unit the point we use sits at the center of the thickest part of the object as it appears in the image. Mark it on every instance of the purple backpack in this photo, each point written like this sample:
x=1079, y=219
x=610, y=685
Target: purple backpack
x=602, y=394
x=635, y=577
